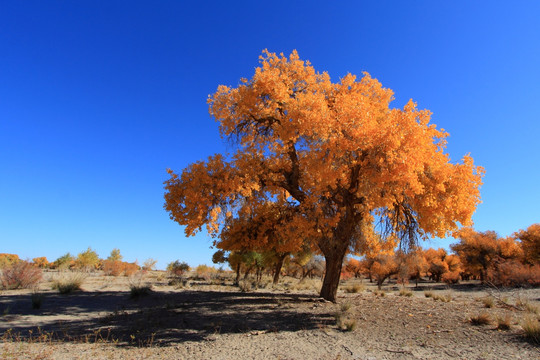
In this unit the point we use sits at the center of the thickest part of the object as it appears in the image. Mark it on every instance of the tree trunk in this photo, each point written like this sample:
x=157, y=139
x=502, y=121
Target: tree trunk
x=237, y=274
x=334, y=262
x=277, y=270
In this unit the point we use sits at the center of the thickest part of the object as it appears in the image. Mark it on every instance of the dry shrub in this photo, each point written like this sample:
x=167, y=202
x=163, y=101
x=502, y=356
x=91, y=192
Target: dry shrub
x=20, y=275
x=355, y=288
x=68, y=283
x=481, y=319
x=118, y=267
x=504, y=323
x=205, y=272
x=514, y=273
x=488, y=302
x=344, y=320
x=531, y=326
x=429, y=294
x=405, y=292
x=113, y=267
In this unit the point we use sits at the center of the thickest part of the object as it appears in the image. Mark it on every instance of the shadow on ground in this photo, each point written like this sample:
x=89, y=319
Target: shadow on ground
x=159, y=318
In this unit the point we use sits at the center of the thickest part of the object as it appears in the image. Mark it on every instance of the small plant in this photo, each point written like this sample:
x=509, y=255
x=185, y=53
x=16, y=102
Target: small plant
x=531, y=326
x=245, y=286
x=137, y=291
x=381, y=293
x=488, y=302
x=68, y=283
x=345, y=307
x=405, y=292
x=480, y=319
x=504, y=323
x=37, y=300
x=429, y=294
x=344, y=321
x=356, y=288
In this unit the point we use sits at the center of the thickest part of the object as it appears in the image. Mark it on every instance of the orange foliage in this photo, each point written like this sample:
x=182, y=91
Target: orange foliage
x=8, y=259
x=335, y=152
x=117, y=268
x=354, y=267
x=530, y=243
x=514, y=273
x=41, y=262
x=478, y=251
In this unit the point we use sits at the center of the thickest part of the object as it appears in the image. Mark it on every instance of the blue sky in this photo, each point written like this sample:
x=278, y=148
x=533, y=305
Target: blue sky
x=98, y=99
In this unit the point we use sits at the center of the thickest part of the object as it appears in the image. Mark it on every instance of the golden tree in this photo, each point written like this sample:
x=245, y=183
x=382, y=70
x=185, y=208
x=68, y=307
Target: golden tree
x=337, y=153
x=530, y=243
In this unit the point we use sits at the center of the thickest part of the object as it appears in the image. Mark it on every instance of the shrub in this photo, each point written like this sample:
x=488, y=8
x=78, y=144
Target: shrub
x=68, y=283
x=205, y=272
x=514, y=273
x=139, y=290
x=113, y=267
x=531, y=326
x=177, y=268
x=245, y=286
x=37, y=299
x=480, y=319
x=488, y=302
x=19, y=275
x=64, y=262
x=404, y=292
x=504, y=323
x=87, y=260
x=429, y=294
x=149, y=264
x=130, y=268
x=355, y=288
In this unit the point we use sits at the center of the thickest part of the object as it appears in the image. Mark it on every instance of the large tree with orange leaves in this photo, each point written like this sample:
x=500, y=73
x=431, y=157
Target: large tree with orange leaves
x=337, y=153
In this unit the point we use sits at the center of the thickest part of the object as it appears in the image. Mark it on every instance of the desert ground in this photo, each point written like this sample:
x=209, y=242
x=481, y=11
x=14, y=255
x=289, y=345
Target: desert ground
x=212, y=319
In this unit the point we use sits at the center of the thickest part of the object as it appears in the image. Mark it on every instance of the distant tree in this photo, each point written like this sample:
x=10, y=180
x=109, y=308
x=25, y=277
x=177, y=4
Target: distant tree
x=115, y=255
x=354, y=267
x=41, y=262
x=437, y=267
x=530, y=243
x=383, y=267
x=8, y=259
x=87, y=260
x=64, y=262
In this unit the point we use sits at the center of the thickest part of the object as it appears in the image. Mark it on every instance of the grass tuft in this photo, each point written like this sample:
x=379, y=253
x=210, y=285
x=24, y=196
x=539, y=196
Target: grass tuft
x=67, y=284
x=531, y=326
x=481, y=319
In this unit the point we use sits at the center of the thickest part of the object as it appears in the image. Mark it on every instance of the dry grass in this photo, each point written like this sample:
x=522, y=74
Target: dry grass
x=68, y=282
x=355, y=288
x=481, y=319
x=488, y=302
x=405, y=292
x=504, y=322
x=531, y=326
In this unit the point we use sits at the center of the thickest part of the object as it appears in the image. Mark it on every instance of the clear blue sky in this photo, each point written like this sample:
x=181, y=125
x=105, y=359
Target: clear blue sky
x=98, y=99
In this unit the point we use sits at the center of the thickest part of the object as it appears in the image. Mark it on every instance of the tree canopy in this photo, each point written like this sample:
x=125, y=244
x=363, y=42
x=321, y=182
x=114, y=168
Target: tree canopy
x=356, y=172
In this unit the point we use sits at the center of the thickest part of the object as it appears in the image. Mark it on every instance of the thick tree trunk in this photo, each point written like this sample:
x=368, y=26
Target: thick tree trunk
x=334, y=262
x=277, y=270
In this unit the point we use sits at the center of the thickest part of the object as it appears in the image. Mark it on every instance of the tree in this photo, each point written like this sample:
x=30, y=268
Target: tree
x=115, y=255
x=63, y=262
x=436, y=266
x=87, y=260
x=41, y=262
x=530, y=243
x=335, y=152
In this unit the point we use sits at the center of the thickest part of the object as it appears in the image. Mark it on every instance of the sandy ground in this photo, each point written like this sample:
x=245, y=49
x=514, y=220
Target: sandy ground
x=214, y=320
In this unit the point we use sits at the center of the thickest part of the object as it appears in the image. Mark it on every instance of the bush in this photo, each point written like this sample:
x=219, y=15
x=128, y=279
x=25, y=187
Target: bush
x=205, y=272
x=37, y=299
x=354, y=288
x=177, y=268
x=404, y=292
x=504, y=323
x=488, y=302
x=117, y=268
x=69, y=283
x=137, y=290
x=531, y=326
x=514, y=273
x=20, y=275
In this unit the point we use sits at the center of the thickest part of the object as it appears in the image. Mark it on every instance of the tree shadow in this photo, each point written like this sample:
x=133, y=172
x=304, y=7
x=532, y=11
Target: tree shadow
x=160, y=318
